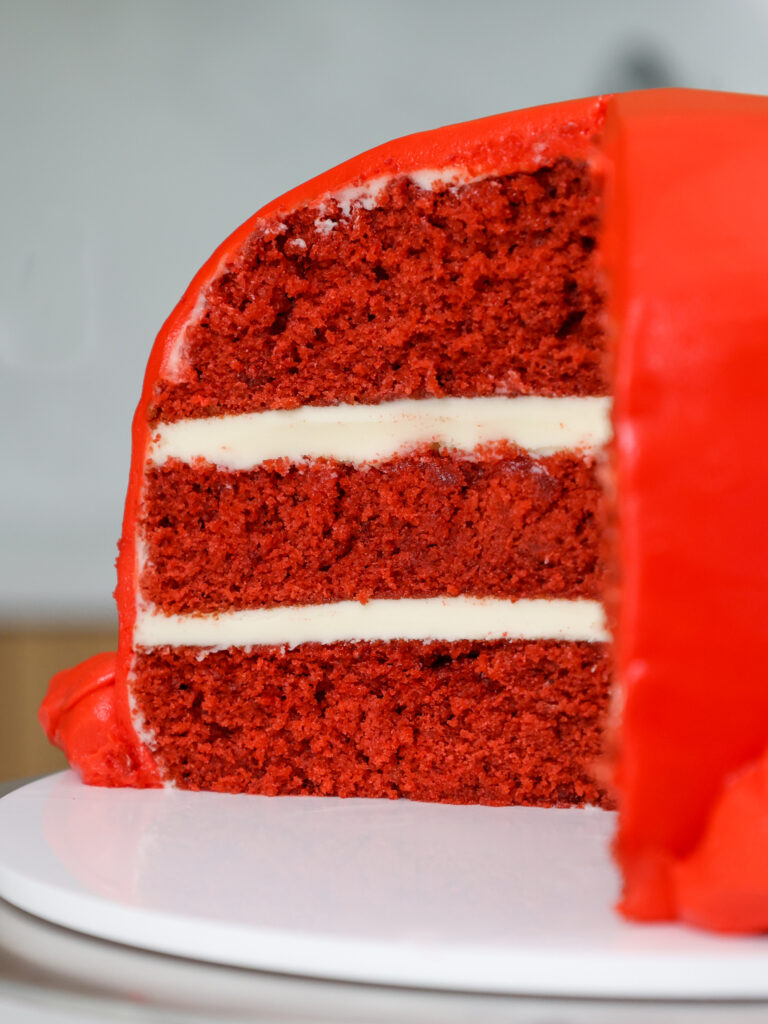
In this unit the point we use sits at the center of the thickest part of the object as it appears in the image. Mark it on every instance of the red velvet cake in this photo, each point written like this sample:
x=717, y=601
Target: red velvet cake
x=378, y=540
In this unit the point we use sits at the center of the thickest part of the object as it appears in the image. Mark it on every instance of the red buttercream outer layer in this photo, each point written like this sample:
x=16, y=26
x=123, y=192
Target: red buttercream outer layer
x=686, y=245
x=79, y=715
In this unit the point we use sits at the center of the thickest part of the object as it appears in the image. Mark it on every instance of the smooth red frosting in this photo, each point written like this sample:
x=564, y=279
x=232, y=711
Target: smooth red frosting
x=687, y=250
x=686, y=231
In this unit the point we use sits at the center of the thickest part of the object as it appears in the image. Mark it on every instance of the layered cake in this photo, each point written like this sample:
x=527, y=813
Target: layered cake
x=385, y=537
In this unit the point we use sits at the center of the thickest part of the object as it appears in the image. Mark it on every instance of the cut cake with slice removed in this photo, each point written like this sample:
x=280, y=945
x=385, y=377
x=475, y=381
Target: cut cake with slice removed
x=372, y=524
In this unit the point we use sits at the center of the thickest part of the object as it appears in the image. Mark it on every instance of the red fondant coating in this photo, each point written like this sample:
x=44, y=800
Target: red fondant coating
x=79, y=715
x=687, y=250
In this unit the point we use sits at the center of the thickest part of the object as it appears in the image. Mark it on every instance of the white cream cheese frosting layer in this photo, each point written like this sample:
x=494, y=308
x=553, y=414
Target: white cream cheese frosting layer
x=437, y=618
x=368, y=433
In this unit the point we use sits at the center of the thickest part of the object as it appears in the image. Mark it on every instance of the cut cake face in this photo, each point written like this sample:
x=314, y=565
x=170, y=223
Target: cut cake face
x=378, y=539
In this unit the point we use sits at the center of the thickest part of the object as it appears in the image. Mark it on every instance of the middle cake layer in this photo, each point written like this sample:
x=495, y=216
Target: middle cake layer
x=497, y=523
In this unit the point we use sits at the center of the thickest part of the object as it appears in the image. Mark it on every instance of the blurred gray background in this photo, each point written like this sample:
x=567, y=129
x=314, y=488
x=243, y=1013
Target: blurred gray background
x=136, y=135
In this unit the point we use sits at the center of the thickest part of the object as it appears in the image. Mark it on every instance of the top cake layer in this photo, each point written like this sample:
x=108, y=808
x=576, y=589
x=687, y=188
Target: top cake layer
x=483, y=289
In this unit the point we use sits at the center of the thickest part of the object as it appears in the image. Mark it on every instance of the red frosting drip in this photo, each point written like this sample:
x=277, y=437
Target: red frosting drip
x=79, y=715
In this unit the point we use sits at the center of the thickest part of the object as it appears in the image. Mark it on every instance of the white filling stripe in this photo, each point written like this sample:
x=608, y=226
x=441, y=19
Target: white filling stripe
x=368, y=433
x=438, y=618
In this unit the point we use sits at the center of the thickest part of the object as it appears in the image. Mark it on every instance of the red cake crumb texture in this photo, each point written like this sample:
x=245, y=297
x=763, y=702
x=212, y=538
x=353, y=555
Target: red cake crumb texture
x=493, y=287
x=492, y=723
x=487, y=289
x=420, y=525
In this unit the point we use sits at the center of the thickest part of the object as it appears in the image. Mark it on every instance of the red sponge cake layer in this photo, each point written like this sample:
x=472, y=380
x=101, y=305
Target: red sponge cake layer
x=492, y=723
x=485, y=289
x=500, y=523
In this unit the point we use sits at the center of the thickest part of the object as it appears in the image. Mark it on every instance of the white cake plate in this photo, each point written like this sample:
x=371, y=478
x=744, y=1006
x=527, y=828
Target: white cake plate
x=512, y=900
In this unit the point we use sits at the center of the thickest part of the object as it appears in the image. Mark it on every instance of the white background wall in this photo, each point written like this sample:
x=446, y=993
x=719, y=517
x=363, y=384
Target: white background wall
x=136, y=135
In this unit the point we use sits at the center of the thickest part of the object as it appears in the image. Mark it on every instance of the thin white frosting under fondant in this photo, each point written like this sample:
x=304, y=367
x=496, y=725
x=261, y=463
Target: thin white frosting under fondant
x=368, y=433
x=437, y=618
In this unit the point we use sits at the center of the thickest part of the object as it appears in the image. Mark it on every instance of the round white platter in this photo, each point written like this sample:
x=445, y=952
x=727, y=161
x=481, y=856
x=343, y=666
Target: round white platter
x=509, y=900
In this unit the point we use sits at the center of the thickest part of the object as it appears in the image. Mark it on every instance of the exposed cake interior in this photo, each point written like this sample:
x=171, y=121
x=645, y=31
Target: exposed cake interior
x=498, y=722
x=484, y=291
x=498, y=523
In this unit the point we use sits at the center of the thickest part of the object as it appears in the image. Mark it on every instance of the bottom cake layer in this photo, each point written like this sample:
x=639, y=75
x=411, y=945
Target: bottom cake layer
x=498, y=722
